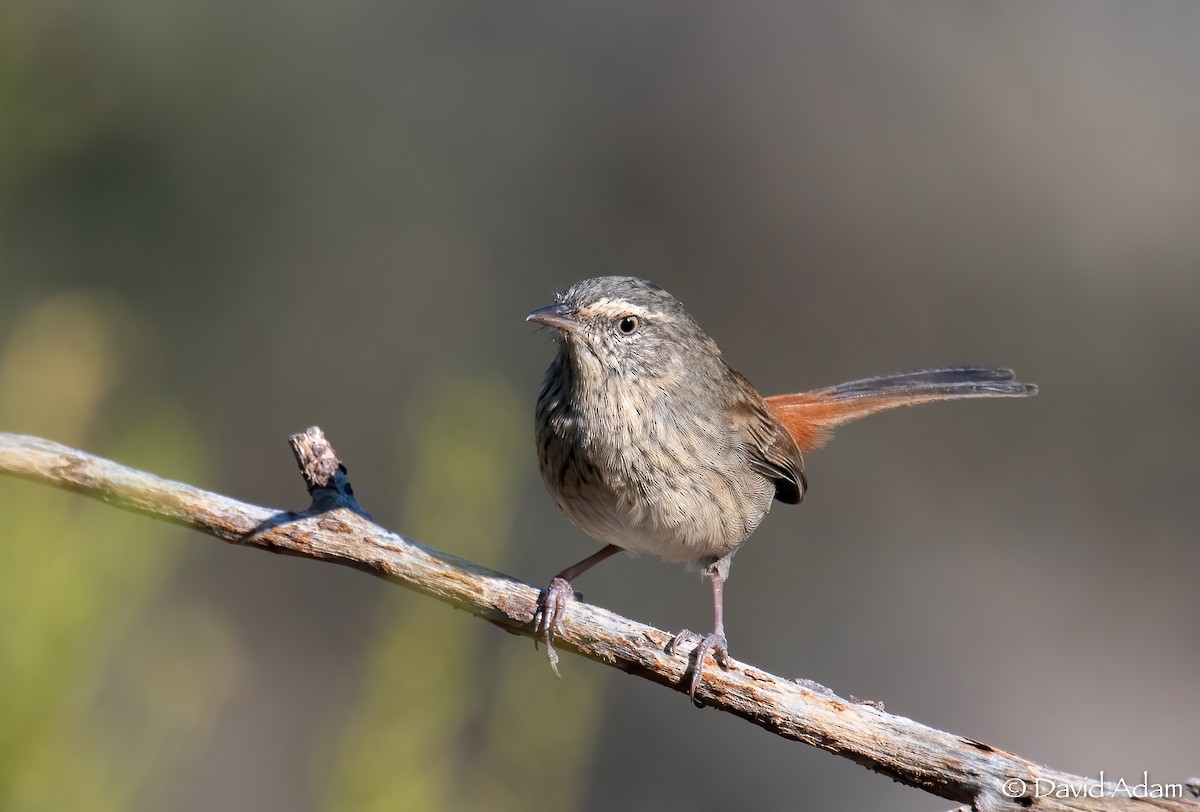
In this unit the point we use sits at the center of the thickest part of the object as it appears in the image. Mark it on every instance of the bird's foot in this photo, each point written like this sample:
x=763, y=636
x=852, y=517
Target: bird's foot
x=714, y=644
x=552, y=604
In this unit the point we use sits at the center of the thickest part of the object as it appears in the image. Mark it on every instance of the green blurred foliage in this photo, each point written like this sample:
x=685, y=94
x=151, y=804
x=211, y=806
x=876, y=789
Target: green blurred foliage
x=100, y=701
x=44, y=106
x=445, y=719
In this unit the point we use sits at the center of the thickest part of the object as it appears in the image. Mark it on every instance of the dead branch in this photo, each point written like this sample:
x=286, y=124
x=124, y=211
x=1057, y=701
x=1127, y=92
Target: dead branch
x=334, y=528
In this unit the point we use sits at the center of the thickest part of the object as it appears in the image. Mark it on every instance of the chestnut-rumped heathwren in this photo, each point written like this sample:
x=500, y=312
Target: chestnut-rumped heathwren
x=649, y=442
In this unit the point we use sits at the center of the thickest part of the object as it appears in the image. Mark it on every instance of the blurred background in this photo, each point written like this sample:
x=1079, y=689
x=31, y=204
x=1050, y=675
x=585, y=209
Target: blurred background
x=221, y=223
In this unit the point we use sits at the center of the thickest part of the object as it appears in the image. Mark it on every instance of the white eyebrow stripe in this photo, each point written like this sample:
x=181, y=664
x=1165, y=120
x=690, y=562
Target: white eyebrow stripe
x=619, y=307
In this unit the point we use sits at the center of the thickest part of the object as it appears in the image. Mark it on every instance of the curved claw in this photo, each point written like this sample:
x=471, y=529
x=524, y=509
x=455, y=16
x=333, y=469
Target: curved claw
x=714, y=644
x=552, y=604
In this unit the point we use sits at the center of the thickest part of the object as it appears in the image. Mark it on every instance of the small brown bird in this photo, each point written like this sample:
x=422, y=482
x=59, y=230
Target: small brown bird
x=649, y=442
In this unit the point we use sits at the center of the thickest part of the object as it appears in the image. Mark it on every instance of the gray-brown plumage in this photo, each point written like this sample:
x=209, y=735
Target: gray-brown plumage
x=649, y=442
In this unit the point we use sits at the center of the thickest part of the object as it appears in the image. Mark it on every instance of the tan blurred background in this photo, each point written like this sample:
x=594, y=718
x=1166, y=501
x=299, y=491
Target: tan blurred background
x=223, y=222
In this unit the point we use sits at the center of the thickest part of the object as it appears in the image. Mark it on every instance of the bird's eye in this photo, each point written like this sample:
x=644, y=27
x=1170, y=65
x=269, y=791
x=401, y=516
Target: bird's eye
x=628, y=325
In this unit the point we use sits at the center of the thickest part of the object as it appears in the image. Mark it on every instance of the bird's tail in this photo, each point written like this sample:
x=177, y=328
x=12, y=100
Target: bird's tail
x=810, y=417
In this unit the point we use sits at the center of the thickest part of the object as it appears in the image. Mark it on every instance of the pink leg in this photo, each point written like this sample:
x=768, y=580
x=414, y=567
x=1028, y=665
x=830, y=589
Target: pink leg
x=553, y=601
x=715, y=643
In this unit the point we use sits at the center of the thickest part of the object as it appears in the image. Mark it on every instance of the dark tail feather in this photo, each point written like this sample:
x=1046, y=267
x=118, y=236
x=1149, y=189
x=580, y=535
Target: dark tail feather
x=810, y=417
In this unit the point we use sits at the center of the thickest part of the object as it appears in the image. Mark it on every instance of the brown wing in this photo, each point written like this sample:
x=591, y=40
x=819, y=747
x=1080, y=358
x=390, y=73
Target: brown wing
x=810, y=417
x=770, y=447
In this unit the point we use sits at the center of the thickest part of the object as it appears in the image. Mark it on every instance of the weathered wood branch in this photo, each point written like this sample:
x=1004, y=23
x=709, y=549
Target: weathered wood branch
x=336, y=529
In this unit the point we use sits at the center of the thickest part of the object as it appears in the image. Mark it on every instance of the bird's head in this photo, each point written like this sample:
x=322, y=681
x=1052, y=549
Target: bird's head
x=626, y=326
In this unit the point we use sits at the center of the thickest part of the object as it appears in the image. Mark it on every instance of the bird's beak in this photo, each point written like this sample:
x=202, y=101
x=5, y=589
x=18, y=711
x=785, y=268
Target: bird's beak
x=559, y=316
